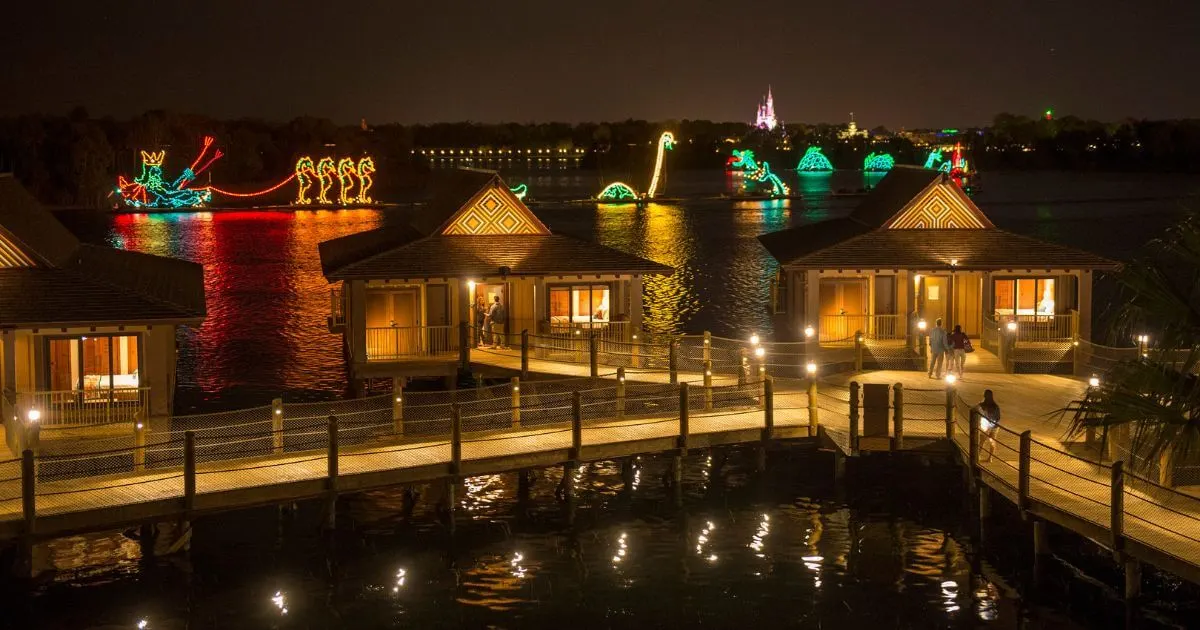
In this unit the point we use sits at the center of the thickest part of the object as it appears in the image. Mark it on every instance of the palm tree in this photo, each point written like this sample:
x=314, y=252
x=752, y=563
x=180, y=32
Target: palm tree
x=1154, y=399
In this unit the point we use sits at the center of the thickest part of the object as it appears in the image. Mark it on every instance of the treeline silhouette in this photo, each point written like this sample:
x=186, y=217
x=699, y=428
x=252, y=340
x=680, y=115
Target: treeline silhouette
x=74, y=160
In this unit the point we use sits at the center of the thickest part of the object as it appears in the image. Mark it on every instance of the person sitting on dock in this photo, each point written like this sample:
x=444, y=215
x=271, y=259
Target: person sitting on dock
x=937, y=349
x=989, y=420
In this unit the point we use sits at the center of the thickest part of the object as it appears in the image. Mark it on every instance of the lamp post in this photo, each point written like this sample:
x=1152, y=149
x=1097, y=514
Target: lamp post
x=33, y=429
x=922, y=346
x=810, y=342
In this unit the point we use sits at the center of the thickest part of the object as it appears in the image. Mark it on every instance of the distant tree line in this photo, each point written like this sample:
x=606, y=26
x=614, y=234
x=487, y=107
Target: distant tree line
x=74, y=160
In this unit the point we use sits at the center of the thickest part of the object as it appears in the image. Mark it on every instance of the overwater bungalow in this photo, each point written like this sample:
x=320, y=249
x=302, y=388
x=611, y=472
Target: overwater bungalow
x=405, y=289
x=918, y=249
x=88, y=332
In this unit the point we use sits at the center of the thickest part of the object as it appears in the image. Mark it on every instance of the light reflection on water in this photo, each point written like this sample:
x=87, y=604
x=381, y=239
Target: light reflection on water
x=736, y=551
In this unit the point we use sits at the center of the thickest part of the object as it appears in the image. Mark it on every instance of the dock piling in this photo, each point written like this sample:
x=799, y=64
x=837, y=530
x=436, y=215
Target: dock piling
x=1023, y=466
x=397, y=405
x=854, y=418
x=814, y=421
x=683, y=418
x=594, y=355
x=673, y=360
x=620, y=392
x=708, y=393
x=1116, y=524
x=576, y=427
x=189, y=473
x=898, y=417
x=139, y=443
x=525, y=354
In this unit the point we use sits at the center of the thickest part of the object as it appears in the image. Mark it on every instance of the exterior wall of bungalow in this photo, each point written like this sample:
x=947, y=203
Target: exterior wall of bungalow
x=92, y=375
x=887, y=304
x=412, y=325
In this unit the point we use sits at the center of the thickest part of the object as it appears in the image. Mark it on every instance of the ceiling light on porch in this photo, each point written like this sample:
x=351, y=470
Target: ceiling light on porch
x=471, y=284
x=953, y=262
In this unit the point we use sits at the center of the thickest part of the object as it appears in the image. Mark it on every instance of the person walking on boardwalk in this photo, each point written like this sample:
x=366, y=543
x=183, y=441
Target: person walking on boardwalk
x=937, y=349
x=989, y=420
x=957, y=344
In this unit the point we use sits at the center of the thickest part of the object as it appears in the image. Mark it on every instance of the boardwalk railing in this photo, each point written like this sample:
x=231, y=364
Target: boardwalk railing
x=1109, y=503
x=170, y=472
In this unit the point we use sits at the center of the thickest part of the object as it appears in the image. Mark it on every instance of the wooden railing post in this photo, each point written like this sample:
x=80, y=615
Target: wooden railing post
x=189, y=472
x=516, y=402
x=464, y=346
x=813, y=413
x=743, y=366
x=673, y=361
x=769, y=409
x=854, y=417
x=593, y=355
x=1023, y=465
x=635, y=349
x=576, y=427
x=277, y=425
x=950, y=393
x=898, y=417
x=398, y=405
x=683, y=418
x=28, y=491
x=858, y=351
x=708, y=393
x=332, y=454
x=455, y=439
x=1117, y=508
x=707, y=347
x=139, y=444
x=973, y=446
x=620, y=392
x=525, y=354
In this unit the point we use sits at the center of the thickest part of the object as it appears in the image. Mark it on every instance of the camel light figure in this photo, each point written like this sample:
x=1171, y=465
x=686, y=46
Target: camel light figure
x=366, y=167
x=346, y=173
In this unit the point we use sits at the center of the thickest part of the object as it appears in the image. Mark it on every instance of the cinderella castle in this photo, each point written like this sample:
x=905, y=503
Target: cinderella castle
x=766, y=113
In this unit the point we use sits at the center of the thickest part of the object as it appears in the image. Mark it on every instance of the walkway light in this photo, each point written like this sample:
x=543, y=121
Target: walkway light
x=1012, y=327
x=921, y=325
x=811, y=368
x=1094, y=381
x=950, y=379
x=809, y=331
x=33, y=415
x=760, y=351
x=754, y=339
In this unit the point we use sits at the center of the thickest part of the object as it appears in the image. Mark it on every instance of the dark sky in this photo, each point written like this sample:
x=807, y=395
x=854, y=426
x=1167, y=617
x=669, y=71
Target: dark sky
x=891, y=62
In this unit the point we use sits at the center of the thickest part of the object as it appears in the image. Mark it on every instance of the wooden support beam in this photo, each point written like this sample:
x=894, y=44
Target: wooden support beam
x=814, y=420
x=189, y=472
x=683, y=418
x=1116, y=523
x=525, y=354
x=576, y=427
x=515, y=382
x=594, y=355
x=768, y=409
x=673, y=360
x=1023, y=472
x=898, y=417
x=455, y=439
x=277, y=425
x=854, y=417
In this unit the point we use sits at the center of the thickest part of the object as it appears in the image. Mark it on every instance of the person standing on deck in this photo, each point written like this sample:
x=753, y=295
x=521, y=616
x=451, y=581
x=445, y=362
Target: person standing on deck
x=937, y=349
x=480, y=313
x=494, y=323
x=958, y=345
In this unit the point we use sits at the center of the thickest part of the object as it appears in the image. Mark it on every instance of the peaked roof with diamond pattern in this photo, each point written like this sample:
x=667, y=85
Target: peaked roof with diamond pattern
x=472, y=227
x=918, y=218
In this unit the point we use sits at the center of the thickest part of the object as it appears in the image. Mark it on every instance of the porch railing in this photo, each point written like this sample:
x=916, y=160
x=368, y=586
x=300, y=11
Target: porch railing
x=85, y=407
x=404, y=342
x=607, y=331
x=1043, y=328
x=841, y=328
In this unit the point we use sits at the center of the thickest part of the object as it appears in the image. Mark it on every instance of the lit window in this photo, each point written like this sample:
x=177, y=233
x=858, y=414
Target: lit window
x=580, y=304
x=96, y=365
x=1024, y=297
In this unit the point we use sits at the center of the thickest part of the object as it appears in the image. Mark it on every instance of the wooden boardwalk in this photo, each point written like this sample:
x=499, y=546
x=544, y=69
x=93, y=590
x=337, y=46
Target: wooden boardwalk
x=1047, y=477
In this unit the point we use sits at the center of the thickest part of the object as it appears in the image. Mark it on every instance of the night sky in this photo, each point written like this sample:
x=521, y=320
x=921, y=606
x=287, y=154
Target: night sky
x=891, y=62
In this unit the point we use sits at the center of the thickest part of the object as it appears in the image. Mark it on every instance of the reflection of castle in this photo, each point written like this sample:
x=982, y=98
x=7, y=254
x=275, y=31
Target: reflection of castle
x=766, y=113
x=852, y=130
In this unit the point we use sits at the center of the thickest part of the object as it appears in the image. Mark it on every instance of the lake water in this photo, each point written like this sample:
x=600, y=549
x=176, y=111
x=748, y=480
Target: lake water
x=267, y=301
x=889, y=549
